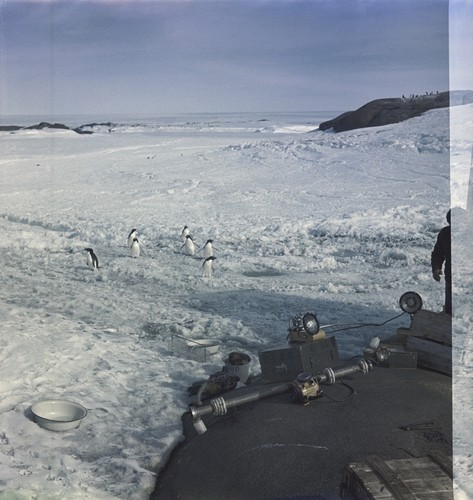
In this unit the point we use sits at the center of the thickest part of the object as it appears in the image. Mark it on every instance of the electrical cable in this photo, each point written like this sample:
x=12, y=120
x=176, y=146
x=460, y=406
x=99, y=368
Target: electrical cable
x=361, y=325
x=200, y=392
x=352, y=393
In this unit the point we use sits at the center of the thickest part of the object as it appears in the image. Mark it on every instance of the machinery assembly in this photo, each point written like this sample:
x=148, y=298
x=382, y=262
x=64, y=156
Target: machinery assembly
x=309, y=360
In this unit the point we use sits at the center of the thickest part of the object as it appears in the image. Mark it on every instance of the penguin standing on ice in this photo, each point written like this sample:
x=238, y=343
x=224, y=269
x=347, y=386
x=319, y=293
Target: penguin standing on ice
x=208, y=249
x=207, y=267
x=92, y=260
x=131, y=237
x=185, y=233
x=135, y=248
x=189, y=245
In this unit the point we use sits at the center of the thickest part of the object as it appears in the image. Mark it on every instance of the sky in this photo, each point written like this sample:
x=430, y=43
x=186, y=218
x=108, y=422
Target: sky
x=157, y=57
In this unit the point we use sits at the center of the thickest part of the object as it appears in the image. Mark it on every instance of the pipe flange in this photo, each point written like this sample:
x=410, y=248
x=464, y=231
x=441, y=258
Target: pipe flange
x=219, y=406
x=365, y=366
x=330, y=375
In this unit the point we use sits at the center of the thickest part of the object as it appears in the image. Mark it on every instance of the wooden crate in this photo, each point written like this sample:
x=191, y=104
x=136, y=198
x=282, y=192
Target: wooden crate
x=422, y=478
x=431, y=355
x=430, y=336
x=430, y=325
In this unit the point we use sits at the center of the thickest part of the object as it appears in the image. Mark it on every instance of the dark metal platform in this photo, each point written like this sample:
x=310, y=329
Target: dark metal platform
x=278, y=449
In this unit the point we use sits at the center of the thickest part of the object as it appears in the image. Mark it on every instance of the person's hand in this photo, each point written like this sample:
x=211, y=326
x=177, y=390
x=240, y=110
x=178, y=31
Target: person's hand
x=436, y=274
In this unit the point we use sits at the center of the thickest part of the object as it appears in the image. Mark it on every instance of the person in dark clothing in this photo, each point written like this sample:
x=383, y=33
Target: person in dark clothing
x=442, y=254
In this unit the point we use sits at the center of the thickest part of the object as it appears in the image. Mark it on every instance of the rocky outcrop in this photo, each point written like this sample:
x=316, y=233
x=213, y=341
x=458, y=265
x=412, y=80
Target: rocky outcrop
x=46, y=125
x=9, y=128
x=43, y=125
x=393, y=110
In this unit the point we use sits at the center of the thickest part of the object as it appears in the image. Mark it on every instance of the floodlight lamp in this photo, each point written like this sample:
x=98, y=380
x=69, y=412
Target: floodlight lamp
x=410, y=302
x=310, y=323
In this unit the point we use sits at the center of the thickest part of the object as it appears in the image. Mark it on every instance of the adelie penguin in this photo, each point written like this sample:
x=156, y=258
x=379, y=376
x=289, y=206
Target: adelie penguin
x=185, y=233
x=189, y=246
x=135, y=248
x=131, y=237
x=92, y=260
x=208, y=249
x=207, y=267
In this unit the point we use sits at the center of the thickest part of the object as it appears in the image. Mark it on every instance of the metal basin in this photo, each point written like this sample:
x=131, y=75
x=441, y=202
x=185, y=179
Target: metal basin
x=58, y=414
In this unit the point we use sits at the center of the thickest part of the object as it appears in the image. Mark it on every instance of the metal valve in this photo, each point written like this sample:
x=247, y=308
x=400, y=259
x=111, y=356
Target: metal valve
x=306, y=388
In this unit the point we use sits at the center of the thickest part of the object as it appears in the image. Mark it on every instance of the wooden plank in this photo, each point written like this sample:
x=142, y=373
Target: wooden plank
x=361, y=482
x=430, y=325
x=431, y=354
x=432, y=486
x=445, y=462
x=418, y=469
x=392, y=480
x=441, y=495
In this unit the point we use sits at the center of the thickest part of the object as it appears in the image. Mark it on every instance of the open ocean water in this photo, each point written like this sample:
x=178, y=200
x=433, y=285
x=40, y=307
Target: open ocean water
x=236, y=121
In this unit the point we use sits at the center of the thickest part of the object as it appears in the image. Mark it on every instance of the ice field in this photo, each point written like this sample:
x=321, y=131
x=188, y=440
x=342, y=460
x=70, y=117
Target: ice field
x=302, y=220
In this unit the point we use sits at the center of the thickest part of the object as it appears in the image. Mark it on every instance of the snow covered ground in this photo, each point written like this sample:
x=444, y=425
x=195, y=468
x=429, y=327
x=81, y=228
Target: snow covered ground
x=340, y=224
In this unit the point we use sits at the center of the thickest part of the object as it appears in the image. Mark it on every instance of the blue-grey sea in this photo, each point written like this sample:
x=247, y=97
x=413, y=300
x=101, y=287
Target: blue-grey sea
x=224, y=120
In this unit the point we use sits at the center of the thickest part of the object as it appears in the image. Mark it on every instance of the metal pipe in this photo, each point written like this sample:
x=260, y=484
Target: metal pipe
x=330, y=375
x=219, y=406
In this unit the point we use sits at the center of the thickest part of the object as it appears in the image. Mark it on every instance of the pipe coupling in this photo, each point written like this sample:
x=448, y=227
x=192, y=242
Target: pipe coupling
x=219, y=406
x=330, y=376
x=365, y=366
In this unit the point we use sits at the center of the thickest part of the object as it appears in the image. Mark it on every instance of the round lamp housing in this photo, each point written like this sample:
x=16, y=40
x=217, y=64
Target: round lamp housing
x=410, y=302
x=310, y=323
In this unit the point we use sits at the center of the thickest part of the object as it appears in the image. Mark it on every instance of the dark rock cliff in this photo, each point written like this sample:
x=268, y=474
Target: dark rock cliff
x=392, y=110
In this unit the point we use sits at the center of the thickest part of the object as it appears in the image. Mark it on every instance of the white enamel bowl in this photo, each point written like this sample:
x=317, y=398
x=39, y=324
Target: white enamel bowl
x=58, y=414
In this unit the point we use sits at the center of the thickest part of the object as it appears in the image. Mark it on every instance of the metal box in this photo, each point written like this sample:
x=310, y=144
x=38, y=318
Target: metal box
x=402, y=359
x=284, y=362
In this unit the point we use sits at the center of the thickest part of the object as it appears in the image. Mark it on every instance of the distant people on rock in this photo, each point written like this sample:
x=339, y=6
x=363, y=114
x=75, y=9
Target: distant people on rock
x=442, y=257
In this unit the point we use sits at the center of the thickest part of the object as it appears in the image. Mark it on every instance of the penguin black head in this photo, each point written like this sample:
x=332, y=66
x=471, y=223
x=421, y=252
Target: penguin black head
x=189, y=237
x=132, y=231
x=90, y=250
x=208, y=260
x=210, y=241
x=135, y=240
